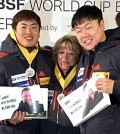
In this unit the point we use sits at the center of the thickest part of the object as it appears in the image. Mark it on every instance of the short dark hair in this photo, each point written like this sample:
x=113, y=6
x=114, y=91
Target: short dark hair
x=117, y=18
x=25, y=15
x=86, y=13
x=25, y=89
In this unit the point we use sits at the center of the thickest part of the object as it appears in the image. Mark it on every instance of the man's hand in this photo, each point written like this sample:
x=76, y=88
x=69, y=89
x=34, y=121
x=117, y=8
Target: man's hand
x=105, y=85
x=17, y=118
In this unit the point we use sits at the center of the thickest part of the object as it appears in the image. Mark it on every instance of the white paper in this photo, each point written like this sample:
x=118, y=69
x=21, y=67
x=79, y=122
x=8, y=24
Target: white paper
x=75, y=103
x=10, y=98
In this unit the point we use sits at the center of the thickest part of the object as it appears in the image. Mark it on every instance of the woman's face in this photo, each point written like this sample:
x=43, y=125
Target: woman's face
x=66, y=58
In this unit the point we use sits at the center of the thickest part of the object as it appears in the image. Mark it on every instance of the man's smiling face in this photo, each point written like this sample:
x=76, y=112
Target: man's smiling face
x=27, y=33
x=90, y=33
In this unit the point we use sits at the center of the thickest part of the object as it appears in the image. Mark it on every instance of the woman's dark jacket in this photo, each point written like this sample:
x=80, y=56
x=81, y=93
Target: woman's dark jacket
x=56, y=113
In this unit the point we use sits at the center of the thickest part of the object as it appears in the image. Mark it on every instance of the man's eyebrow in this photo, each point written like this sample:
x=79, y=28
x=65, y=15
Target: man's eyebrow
x=84, y=25
x=30, y=24
x=34, y=24
x=22, y=24
x=79, y=26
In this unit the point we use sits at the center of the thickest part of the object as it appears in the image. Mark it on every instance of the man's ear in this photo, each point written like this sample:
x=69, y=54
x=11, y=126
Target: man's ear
x=102, y=24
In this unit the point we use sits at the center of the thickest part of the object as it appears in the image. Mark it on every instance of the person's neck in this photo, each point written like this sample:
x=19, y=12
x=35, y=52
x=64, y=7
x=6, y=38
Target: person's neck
x=64, y=71
x=103, y=37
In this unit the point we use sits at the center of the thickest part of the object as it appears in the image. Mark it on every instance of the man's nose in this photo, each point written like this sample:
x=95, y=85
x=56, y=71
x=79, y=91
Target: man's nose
x=28, y=30
x=84, y=32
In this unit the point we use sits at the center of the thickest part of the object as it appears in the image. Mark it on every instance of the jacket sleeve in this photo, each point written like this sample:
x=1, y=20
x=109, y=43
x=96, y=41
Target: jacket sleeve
x=3, y=77
x=115, y=70
x=116, y=87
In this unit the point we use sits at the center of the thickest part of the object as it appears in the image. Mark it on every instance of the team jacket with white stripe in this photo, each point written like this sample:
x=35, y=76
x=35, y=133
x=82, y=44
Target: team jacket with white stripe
x=13, y=62
x=104, y=58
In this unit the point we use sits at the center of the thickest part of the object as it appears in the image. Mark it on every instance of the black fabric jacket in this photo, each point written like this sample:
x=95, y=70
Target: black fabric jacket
x=13, y=62
x=105, y=58
x=56, y=113
x=25, y=107
x=58, y=122
x=91, y=103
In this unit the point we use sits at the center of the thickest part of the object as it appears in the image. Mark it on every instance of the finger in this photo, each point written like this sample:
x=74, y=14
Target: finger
x=17, y=118
x=22, y=115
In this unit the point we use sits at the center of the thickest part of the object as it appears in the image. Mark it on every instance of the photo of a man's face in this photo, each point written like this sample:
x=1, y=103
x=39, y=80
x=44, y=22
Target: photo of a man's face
x=26, y=97
x=89, y=93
